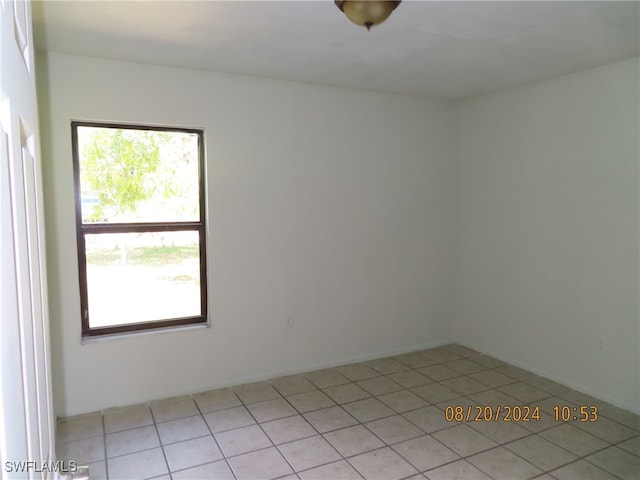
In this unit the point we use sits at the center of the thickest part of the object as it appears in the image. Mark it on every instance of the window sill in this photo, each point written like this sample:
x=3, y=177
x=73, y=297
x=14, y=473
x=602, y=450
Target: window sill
x=155, y=331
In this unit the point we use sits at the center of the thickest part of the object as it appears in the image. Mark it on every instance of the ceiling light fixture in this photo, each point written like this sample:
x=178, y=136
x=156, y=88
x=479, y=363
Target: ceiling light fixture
x=367, y=12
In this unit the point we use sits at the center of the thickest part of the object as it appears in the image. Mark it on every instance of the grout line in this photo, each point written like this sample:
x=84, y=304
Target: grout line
x=579, y=459
x=106, y=459
x=273, y=445
x=224, y=457
x=164, y=454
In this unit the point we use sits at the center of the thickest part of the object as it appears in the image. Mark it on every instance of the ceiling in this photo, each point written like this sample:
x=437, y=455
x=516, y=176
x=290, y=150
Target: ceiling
x=441, y=49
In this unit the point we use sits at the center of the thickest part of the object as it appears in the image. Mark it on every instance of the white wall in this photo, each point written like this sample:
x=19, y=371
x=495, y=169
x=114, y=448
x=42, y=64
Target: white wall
x=547, y=237
x=335, y=206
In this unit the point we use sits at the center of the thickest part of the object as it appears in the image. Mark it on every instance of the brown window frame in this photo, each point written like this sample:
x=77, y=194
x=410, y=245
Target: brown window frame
x=83, y=229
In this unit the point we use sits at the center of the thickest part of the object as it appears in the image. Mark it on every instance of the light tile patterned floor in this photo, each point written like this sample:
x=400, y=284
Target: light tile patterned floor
x=383, y=419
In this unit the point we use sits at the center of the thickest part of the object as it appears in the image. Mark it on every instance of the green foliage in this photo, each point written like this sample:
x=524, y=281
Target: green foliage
x=118, y=165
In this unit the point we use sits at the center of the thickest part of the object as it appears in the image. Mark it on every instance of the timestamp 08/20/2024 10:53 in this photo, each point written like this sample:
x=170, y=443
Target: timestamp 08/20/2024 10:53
x=519, y=413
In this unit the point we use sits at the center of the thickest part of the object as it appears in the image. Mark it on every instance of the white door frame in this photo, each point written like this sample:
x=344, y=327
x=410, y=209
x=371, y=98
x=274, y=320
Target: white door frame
x=26, y=413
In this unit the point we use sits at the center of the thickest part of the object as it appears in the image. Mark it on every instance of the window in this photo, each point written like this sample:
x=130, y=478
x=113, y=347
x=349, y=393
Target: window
x=140, y=217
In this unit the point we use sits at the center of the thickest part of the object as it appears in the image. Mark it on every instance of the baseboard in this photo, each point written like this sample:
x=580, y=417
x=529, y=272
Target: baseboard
x=569, y=383
x=240, y=380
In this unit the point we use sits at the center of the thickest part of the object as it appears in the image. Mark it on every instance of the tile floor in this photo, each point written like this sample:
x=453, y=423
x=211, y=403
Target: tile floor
x=384, y=419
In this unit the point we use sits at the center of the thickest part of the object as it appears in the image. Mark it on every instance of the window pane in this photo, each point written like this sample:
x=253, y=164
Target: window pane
x=141, y=277
x=129, y=175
